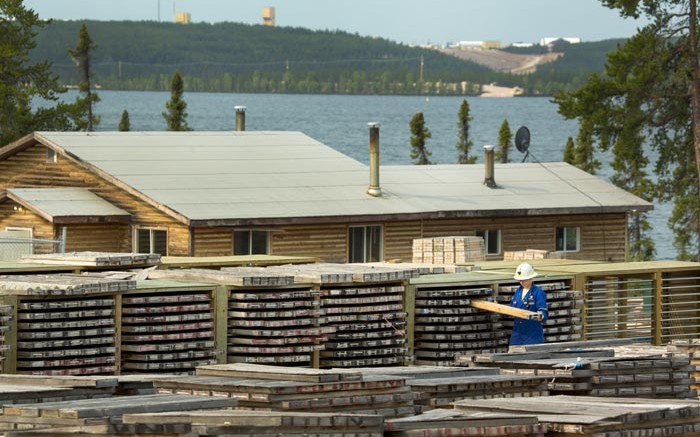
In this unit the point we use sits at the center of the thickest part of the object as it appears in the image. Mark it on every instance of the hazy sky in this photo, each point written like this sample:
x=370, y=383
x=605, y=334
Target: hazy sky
x=408, y=21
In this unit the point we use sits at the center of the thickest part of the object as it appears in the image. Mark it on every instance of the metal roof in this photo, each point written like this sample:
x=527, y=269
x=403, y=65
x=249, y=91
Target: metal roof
x=255, y=176
x=55, y=204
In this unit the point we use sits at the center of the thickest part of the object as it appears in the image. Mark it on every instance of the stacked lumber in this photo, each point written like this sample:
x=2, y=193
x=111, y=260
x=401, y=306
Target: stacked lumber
x=280, y=388
x=167, y=332
x=263, y=424
x=427, y=269
x=532, y=254
x=94, y=259
x=690, y=347
x=238, y=276
x=428, y=372
x=274, y=326
x=103, y=416
x=21, y=389
x=593, y=416
x=66, y=336
x=330, y=273
x=446, y=325
x=450, y=422
x=369, y=322
x=564, y=304
x=599, y=372
x=448, y=250
x=5, y=318
x=61, y=285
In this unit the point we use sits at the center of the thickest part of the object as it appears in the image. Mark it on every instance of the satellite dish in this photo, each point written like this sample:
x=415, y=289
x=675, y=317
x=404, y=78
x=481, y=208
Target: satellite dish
x=522, y=141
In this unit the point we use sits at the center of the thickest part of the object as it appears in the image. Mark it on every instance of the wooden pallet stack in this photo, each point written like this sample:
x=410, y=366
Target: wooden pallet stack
x=103, y=416
x=448, y=250
x=451, y=422
x=446, y=326
x=564, y=304
x=281, y=388
x=363, y=306
x=166, y=332
x=690, y=347
x=593, y=416
x=598, y=372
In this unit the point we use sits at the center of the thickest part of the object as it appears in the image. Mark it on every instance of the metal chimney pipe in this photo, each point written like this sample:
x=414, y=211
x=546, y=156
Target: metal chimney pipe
x=489, y=159
x=374, y=189
x=240, y=118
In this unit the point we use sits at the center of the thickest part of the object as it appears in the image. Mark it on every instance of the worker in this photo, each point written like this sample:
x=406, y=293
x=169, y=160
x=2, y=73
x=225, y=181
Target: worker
x=532, y=298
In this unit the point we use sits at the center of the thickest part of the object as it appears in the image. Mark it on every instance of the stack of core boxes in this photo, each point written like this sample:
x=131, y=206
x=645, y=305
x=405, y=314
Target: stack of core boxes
x=448, y=250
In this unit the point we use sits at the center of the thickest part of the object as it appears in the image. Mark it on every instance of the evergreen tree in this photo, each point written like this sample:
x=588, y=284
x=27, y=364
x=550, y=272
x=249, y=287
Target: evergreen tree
x=87, y=120
x=570, y=151
x=21, y=81
x=176, y=117
x=464, y=143
x=124, y=123
x=419, y=134
x=505, y=141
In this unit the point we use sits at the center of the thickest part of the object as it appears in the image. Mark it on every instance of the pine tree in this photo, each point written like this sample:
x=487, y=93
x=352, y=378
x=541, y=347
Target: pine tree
x=464, y=143
x=176, y=116
x=21, y=82
x=419, y=134
x=505, y=141
x=124, y=123
x=85, y=104
x=570, y=152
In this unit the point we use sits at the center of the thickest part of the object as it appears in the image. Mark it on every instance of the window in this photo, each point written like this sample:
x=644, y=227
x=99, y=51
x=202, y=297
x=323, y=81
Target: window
x=251, y=242
x=567, y=239
x=492, y=241
x=152, y=241
x=51, y=156
x=365, y=244
x=14, y=251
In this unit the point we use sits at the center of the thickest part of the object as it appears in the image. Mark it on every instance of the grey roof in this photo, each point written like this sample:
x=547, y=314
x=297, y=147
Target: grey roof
x=275, y=176
x=57, y=203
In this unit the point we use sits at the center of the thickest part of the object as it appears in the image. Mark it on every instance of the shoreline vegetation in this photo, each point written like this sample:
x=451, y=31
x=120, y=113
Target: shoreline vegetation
x=241, y=58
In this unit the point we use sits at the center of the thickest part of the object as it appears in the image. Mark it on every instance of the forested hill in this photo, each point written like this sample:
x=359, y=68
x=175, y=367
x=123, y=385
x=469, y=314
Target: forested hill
x=235, y=57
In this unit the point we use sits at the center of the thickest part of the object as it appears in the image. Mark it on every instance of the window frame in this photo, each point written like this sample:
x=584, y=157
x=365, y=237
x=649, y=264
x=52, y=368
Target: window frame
x=268, y=240
x=151, y=230
x=51, y=156
x=565, y=237
x=380, y=250
x=485, y=236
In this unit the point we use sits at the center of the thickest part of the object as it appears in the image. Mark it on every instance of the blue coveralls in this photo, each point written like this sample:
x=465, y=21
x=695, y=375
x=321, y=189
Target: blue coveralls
x=529, y=331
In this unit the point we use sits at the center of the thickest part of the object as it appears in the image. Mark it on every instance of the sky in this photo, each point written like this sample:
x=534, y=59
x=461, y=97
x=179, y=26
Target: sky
x=406, y=21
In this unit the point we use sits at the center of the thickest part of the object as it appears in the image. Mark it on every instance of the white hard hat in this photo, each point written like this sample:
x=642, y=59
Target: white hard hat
x=524, y=271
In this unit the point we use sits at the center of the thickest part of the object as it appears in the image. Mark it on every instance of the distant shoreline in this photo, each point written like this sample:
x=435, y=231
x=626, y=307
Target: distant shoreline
x=500, y=91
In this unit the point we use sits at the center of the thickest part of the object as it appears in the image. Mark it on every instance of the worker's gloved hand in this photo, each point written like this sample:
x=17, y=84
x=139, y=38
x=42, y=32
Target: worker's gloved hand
x=540, y=315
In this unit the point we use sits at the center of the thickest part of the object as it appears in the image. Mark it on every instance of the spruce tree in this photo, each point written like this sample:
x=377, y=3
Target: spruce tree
x=419, y=134
x=176, y=116
x=570, y=152
x=464, y=142
x=505, y=141
x=86, y=118
x=124, y=123
x=22, y=81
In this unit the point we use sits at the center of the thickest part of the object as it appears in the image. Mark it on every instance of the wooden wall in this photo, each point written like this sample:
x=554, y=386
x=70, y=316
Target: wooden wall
x=103, y=237
x=29, y=168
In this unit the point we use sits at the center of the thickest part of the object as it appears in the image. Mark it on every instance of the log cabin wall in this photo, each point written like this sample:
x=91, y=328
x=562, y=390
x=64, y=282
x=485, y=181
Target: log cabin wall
x=29, y=168
x=103, y=237
x=26, y=220
x=327, y=242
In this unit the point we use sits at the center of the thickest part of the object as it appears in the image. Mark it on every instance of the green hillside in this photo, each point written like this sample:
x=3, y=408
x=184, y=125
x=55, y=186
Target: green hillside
x=235, y=57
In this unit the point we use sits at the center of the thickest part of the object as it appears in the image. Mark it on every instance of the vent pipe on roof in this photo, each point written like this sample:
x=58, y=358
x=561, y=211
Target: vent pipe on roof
x=374, y=189
x=240, y=118
x=489, y=159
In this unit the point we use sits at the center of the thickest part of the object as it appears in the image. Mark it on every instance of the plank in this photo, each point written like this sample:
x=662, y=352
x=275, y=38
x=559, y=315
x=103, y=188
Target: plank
x=504, y=309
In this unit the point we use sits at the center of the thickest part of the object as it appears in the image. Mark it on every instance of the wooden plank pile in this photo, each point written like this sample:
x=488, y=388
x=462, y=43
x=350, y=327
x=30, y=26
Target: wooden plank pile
x=564, y=304
x=446, y=325
x=427, y=269
x=103, y=416
x=601, y=417
x=238, y=276
x=448, y=250
x=95, y=259
x=61, y=285
x=169, y=332
x=6, y=312
x=451, y=422
x=599, y=372
x=690, y=347
x=280, y=388
x=21, y=389
x=66, y=336
x=532, y=254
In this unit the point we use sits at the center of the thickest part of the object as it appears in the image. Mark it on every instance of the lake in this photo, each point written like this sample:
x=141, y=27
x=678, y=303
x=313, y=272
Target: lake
x=341, y=122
